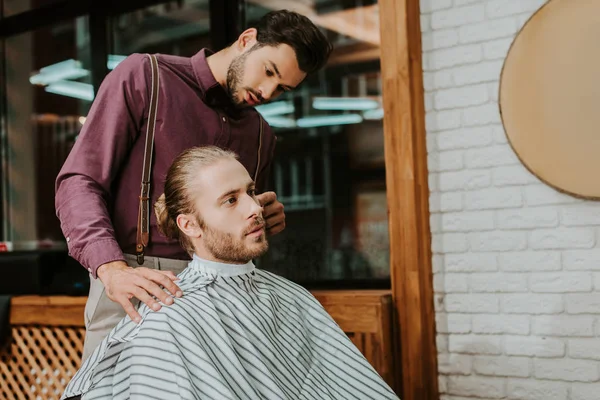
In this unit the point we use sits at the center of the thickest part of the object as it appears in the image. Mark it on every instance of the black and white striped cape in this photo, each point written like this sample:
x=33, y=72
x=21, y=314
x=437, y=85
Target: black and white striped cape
x=237, y=333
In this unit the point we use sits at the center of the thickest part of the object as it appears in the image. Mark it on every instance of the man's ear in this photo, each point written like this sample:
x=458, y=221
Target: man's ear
x=188, y=224
x=246, y=40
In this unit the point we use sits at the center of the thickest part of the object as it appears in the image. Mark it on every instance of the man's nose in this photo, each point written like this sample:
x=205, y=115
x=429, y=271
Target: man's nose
x=256, y=209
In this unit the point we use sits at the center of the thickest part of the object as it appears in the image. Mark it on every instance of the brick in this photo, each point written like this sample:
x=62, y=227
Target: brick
x=529, y=389
x=475, y=344
x=500, y=137
x=437, y=263
x=435, y=223
x=468, y=221
x=502, y=366
x=472, y=303
x=580, y=214
x=438, y=302
x=434, y=80
x=562, y=238
x=534, y=346
x=439, y=39
x=460, y=97
x=441, y=343
x=492, y=156
x=428, y=6
x=585, y=348
x=567, y=370
x=498, y=241
x=532, y=303
x=511, y=175
x=585, y=391
x=433, y=181
x=428, y=106
x=497, y=49
x=453, y=56
x=496, y=324
x=541, y=195
x=494, y=89
x=527, y=218
x=452, y=201
x=493, y=198
x=455, y=364
x=464, y=180
x=481, y=115
x=583, y=303
x=563, y=325
x=453, y=323
x=476, y=386
x=503, y=8
x=582, y=260
x=458, y=3
x=498, y=283
x=445, y=161
x=442, y=384
x=597, y=281
x=442, y=120
x=488, y=30
x=425, y=23
x=449, y=243
x=451, y=283
x=487, y=71
x=464, y=138
x=561, y=282
x=470, y=262
x=457, y=16
x=530, y=261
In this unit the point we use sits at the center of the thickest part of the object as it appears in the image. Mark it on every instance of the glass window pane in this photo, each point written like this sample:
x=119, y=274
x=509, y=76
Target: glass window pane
x=48, y=93
x=179, y=27
x=14, y=7
x=329, y=168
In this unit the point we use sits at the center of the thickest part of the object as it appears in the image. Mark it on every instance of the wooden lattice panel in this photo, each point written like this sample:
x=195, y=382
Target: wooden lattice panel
x=39, y=361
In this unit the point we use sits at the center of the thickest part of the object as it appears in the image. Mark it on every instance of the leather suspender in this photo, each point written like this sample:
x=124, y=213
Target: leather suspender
x=143, y=225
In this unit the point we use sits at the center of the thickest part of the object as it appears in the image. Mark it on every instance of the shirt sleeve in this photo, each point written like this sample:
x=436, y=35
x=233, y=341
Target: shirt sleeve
x=84, y=182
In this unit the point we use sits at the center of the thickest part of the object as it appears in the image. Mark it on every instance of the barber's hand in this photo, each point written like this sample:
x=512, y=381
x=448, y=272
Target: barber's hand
x=122, y=283
x=273, y=212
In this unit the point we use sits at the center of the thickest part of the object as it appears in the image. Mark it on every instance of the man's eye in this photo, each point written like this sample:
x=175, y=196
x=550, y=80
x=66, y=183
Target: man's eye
x=231, y=200
x=251, y=192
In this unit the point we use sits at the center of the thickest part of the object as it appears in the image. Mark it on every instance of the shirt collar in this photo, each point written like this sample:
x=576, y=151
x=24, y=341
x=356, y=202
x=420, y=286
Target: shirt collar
x=219, y=268
x=214, y=94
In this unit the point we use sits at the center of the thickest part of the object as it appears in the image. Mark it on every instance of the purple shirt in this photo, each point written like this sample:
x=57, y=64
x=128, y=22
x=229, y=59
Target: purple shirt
x=98, y=187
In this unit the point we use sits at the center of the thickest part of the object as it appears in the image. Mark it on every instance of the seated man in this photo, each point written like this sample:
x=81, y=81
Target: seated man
x=238, y=332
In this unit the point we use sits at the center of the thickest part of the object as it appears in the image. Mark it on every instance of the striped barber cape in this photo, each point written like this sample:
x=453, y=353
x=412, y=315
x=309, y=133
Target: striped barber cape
x=237, y=333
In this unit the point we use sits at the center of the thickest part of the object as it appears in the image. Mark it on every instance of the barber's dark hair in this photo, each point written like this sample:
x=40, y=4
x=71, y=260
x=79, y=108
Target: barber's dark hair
x=297, y=31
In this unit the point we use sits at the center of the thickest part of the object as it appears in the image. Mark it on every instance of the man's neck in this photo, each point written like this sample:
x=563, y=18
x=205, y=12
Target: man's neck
x=218, y=63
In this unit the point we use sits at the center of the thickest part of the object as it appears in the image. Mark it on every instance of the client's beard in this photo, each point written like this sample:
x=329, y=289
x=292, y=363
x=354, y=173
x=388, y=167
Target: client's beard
x=223, y=246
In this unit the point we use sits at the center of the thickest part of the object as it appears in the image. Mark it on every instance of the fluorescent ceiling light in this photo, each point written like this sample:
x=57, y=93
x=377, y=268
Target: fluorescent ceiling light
x=114, y=60
x=344, y=103
x=277, y=108
x=68, y=69
x=373, y=114
x=329, y=120
x=78, y=90
x=280, y=122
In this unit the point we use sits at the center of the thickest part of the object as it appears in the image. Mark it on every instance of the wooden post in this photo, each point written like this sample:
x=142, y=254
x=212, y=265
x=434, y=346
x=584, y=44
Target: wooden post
x=408, y=199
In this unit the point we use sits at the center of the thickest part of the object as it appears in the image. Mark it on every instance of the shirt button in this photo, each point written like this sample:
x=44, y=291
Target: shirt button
x=68, y=239
x=89, y=269
x=224, y=119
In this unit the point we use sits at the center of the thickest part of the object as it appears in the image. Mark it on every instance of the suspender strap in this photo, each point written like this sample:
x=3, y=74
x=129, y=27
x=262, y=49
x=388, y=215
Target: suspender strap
x=260, y=135
x=143, y=225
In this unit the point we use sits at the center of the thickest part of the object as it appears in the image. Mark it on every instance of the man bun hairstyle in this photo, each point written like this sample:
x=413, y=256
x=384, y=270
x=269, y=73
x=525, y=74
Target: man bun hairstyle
x=178, y=197
x=311, y=46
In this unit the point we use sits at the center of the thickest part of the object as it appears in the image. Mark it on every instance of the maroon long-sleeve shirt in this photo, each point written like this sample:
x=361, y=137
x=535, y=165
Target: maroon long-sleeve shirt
x=98, y=187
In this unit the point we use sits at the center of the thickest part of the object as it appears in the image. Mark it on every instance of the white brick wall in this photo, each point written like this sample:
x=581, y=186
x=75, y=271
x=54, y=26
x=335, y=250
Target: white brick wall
x=516, y=264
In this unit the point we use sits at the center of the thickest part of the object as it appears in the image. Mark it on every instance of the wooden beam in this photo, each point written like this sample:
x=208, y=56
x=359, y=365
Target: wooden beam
x=408, y=198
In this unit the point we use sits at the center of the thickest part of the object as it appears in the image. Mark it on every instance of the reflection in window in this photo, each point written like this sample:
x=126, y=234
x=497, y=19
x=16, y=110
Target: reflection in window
x=48, y=93
x=179, y=27
x=329, y=168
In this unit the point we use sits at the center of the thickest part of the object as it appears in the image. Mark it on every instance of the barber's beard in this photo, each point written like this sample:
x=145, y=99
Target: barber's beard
x=230, y=249
x=235, y=72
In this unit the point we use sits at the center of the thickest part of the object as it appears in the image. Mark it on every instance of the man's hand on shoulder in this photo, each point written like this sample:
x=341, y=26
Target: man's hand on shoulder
x=123, y=282
x=273, y=212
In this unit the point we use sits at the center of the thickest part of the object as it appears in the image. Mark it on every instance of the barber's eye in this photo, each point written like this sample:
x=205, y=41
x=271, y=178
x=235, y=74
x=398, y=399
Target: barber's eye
x=251, y=192
x=231, y=200
x=269, y=72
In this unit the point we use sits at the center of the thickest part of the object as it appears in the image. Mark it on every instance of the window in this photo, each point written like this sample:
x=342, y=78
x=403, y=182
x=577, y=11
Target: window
x=329, y=169
x=48, y=93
